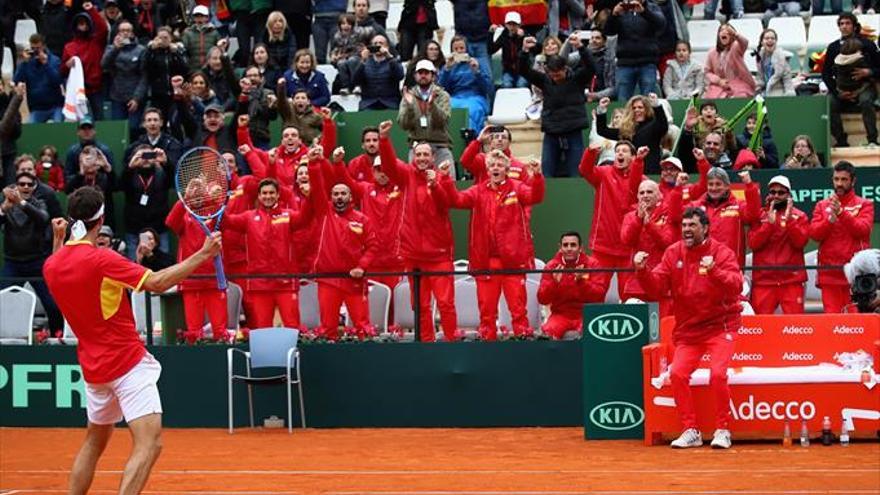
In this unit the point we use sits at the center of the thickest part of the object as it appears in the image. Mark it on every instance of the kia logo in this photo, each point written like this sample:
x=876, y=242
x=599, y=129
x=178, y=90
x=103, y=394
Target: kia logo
x=615, y=327
x=617, y=415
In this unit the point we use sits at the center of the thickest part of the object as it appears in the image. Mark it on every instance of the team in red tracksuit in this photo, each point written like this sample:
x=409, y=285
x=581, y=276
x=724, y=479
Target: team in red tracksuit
x=347, y=244
x=360, y=168
x=199, y=295
x=706, y=282
x=842, y=226
x=689, y=192
x=778, y=239
x=500, y=239
x=268, y=232
x=474, y=161
x=566, y=293
x=89, y=47
x=648, y=228
x=426, y=241
x=615, y=194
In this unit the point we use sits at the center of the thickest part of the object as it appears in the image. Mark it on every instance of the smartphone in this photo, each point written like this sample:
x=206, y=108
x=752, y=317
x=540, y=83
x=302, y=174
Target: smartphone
x=144, y=238
x=584, y=35
x=149, y=155
x=374, y=48
x=461, y=57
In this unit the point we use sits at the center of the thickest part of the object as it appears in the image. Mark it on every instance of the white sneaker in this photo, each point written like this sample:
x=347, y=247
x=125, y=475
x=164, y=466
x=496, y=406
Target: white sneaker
x=689, y=438
x=721, y=439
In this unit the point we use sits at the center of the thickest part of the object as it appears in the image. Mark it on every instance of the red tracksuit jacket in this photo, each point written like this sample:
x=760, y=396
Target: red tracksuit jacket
x=615, y=195
x=499, y=226
x=285, y=164
x=780, y=243
x=688, y=192
x=191, y=237
x=425, y=228
x=89, y=49
x=706, y=303
x=268, y=234
x=347, y=240
x=568, y=296
x=839, y=241
x=652, y=237
x=474, y=161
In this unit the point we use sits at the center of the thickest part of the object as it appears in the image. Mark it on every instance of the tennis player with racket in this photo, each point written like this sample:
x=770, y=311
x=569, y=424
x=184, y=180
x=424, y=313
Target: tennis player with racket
x=89, y=284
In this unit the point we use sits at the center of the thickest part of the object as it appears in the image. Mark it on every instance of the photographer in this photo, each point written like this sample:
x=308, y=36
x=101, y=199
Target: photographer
x=145, y=185
x=862, y=273
x=164, y=60
x=39, y=71
x=94, y=170
x=803, y=154
x=379, y=76
x=468, y=84
x=636, y=24
x=148, y=252
x=122, y=61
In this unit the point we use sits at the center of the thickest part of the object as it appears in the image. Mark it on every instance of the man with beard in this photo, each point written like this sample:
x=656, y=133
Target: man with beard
x=360, y=168
x=779, y=239
x=841, y=225
x=606, y=66
x=424, y=114
x=500, y=238
x=473, y=158
x=705, y=281
x=566, y=293
x=347, y=244
x=648, y=228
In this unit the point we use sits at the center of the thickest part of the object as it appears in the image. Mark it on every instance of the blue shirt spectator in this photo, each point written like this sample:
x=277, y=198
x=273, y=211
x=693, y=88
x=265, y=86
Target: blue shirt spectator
x=40, y=72
x=304, y=76
x=379, y=77
x=467, y=83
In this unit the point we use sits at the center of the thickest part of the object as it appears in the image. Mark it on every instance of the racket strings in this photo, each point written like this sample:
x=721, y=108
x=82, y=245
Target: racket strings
x=204, y=182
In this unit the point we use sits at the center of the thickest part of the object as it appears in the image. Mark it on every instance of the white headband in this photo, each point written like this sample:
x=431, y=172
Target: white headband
x=78, y=231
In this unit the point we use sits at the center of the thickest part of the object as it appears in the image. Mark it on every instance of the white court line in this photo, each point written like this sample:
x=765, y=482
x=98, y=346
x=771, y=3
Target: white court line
x=337, y=472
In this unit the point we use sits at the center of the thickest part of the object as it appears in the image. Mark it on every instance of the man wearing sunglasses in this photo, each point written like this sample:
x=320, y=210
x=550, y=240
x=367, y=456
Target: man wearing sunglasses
x=778, y=240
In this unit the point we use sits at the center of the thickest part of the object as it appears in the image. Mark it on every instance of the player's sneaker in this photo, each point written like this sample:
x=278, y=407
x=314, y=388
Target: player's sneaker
x=689, y=438
x=721, y=439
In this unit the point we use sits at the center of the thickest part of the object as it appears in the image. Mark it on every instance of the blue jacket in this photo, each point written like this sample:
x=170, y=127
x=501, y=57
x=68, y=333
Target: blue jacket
x=461, y=80
x=315, y=84
x=472, y=19
x=379, y=82
x=43, y=82
x=328, y=6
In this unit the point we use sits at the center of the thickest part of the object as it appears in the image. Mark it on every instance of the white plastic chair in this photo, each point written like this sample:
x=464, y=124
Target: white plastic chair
x=510, y=106
x=329, y=72
x=268, y=348
x=395, y=11
x=811, y=258
x=703, y=34
x=233, y=46
x=309, y=311
x=379, y=302
x=403, y=313
x=24, y=28
x=8, y=68
x=699, y=57
x=533, y=308
x=445, y=14
x=17, y=315
x=139, y=309
x=869, y=20
x=612, y=297
x=466, y=303
x=539, y=265
x=750, y=28
x=349, y=103
x=823, y=30
x=792, y=33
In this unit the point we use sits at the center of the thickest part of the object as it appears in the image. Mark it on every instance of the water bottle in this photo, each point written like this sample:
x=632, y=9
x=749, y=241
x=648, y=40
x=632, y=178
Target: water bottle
x=805, y=434
x=827, y=437
x=844, y=434
x=786, y=435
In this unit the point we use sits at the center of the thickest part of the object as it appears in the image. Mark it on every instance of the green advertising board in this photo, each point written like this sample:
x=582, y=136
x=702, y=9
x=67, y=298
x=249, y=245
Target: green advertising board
x=614, y=335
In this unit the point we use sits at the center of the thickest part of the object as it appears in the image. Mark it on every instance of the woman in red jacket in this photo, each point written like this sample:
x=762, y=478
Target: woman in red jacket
x=500, y=238
x=88, y=42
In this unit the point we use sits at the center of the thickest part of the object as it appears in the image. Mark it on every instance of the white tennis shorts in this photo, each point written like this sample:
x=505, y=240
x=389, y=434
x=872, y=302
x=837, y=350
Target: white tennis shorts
x=131, y=396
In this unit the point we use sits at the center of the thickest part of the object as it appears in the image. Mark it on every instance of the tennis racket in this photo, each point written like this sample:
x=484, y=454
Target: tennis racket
x=202, y=182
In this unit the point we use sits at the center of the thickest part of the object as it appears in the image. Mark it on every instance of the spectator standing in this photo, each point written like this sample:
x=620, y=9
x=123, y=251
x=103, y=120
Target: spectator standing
x=156, y=136
x=145, y=184
x=564, y=113
x=57, y=19
x=819, y=7
x=779, y=239
x=841, y=224
x=299, y=18
x=472, y=22
x=39, y=70
x=510, y=43
x=378, y=10
x=803, y=154
x=418, y=21
x=250, y=18
x=726, y=73
x=148, y=252
x=221, y=77
x=379, y=76
x=603, y=84
x=364, y=25
x=683, y=78
x=424, y=114
x=705, y=281
x=774, y=74
x=636, y=24
x=491, y=138
x=198, y=95
x=779, y=8
x=123, y=61
x=643, y=124
x=324, y=24
x=163, y=61
x=200, y=37
x=256, y=102
x=87, y=136
x=89, y=39
x=279, y=41
x=850, y=78
x=566, y=293
x=468, y=84
x=303, y=75
x=432, y=53
x=10, y=129
x=212, y=131
x=345, y=48
x=150, y=16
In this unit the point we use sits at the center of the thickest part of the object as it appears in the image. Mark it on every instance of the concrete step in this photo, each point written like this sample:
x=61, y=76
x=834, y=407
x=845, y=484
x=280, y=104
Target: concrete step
x=860, y=156
x=526, y=140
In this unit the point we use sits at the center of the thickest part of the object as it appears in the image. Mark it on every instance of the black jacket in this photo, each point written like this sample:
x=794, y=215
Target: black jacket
x=564, y=109
x=411, y=9
x=869, y=51
x=510, y=46
x=160, y=65
x=56, y=26
x=472, y=20
x=26, y=230
x=649, y=133
x=152, y=184
x=172, y=147
x=637, y=35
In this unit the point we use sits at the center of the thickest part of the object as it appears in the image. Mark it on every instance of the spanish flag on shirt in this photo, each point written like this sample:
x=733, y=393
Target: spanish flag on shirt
x=532, y=11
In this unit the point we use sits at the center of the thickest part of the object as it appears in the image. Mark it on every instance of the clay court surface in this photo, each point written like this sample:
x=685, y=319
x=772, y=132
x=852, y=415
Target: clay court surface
x=508, y=461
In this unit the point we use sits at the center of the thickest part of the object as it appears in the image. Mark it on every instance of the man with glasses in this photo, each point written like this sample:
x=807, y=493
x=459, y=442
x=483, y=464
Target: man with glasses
x=27, y=241
x=778, y=239
x=123, y=61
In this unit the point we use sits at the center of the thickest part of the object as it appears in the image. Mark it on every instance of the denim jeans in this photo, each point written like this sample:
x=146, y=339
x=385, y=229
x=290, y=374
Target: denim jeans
x=508, y=80
x=34, y=269
x=96, y=105
x=132, y=240
x=864, y=104
x=735, y=5
x=789, y=9
x=41, y=116
x=819, y=7
x=561, y=154
x=323, y=28
x=645, y=76
x=119, y=111
x=480, y=51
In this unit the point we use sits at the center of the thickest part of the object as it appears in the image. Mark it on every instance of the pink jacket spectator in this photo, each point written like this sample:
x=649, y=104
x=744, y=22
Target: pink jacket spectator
x=730, y=65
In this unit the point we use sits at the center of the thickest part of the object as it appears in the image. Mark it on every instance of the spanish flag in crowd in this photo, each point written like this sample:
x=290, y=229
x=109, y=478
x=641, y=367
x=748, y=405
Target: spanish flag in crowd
x=532, y=11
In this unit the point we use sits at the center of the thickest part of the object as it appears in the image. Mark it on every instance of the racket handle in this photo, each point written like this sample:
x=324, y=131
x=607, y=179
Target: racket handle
x=221, y=275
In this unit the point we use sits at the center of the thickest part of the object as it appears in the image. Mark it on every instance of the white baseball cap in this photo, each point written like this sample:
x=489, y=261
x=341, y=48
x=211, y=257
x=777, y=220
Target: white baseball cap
x=201, y=10
x=675, y=162
x=426, y=65
x=513, y=17
x=781, y=180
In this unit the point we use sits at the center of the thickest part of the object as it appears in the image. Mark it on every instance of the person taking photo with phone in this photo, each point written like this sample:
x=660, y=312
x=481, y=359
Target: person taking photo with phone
x=145, y=184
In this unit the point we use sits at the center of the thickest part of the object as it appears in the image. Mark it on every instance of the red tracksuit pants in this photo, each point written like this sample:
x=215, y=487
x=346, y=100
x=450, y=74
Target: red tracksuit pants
x=558, y=323
x=765, y=298
x=443, y=290
x=196, y=303
x=834, y=298
x=685, y=361
x=609, y=261
x=489, y=289
x=330, y=300
x=264, y=302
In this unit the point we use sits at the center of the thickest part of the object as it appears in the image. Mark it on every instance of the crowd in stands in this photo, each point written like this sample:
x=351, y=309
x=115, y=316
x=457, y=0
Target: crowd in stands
x=167, y=67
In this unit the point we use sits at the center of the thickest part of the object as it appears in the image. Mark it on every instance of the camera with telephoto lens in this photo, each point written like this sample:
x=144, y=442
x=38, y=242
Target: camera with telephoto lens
x=864, y=291
x=629, y=4
x=374, y=48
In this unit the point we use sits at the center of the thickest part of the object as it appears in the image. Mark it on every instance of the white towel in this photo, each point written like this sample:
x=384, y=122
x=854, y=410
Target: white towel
x=76, y=105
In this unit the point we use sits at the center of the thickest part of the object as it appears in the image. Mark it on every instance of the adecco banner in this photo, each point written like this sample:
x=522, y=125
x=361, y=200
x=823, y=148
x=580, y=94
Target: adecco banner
x=612, y=346
x=809, y=186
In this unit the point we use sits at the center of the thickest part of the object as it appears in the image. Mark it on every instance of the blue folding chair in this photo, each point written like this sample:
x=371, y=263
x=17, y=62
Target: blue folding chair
x=269, y=348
